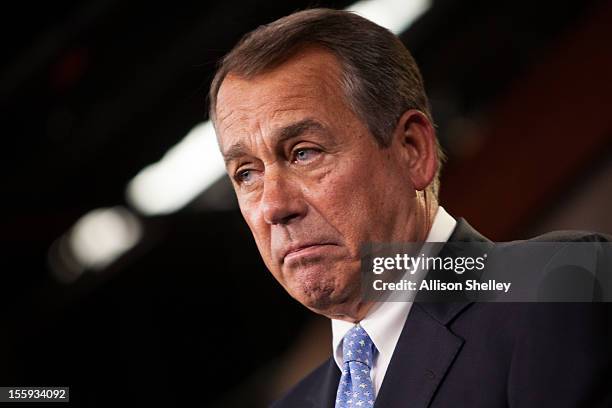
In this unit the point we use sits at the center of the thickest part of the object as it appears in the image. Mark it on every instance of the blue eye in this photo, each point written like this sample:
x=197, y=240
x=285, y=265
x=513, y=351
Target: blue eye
x=243, y=176
x=304, y=154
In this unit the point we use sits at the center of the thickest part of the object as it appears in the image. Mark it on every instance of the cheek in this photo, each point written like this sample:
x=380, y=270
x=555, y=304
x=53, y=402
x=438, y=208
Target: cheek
x=351, y=199
x=362, y=200
x=259, y=229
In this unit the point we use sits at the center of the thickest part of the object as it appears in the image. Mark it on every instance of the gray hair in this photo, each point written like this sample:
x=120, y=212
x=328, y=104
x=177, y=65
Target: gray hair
x=380, y=78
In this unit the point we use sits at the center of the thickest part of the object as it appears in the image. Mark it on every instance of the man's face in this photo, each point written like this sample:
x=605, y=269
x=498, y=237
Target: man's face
x=311, y=181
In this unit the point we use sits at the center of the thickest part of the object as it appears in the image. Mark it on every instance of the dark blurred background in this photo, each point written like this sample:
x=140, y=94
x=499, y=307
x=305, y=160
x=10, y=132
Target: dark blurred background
x=121, y=301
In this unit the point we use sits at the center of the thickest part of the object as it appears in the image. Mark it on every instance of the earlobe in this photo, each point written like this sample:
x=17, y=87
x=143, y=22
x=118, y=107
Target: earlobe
x=417, y=141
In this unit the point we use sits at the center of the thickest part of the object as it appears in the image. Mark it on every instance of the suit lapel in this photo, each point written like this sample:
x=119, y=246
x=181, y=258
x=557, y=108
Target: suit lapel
x=426, y=348
x=424, y=352
x=324, y=393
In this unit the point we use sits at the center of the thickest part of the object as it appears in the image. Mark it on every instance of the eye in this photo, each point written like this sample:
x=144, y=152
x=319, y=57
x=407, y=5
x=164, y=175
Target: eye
x=304, y=154
x=244, y=176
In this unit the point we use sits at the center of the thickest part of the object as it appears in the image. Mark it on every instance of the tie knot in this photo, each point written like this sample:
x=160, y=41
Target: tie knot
x=357, y=346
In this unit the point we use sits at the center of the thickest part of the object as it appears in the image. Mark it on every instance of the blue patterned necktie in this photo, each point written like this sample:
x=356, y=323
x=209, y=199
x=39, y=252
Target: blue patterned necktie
x=355, y=388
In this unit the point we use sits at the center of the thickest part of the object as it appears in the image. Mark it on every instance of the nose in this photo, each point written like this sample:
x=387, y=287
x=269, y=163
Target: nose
x=282, y=201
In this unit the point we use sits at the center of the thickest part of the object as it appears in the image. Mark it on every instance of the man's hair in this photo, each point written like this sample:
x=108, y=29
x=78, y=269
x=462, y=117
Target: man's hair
x=379, y=77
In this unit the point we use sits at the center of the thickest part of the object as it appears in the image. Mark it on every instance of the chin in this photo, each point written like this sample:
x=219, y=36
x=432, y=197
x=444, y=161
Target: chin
x=328, y=300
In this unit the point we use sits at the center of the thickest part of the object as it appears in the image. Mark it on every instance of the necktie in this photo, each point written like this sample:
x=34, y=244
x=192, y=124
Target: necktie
x=355, y=388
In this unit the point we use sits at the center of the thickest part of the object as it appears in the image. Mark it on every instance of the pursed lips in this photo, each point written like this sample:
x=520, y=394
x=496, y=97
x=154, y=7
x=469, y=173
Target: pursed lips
x=296, y=250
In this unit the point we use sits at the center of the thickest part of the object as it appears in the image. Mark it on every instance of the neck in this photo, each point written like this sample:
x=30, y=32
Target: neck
x=425, y=212
x=355, y=315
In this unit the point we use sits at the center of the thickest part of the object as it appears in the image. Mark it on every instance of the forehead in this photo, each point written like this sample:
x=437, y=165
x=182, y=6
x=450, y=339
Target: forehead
x=306, y=84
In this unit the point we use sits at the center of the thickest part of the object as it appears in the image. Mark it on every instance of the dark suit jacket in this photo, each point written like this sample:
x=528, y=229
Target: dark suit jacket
x=467, y=354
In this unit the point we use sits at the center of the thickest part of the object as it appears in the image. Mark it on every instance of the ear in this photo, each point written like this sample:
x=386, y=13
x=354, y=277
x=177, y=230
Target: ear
x=415, y=139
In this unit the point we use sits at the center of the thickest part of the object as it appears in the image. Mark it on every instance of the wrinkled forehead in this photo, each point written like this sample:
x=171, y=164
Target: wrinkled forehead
x=308, y=80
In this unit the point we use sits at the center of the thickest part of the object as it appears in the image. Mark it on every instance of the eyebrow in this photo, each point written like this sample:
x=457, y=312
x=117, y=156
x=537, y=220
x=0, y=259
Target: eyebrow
x=282, y=135
x=296, y=129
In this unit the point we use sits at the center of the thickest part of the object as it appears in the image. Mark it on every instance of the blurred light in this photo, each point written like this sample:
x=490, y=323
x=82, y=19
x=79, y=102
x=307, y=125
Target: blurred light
x=186, y=170
x=395, y=15
x=103, y=235
x=95, y=241
x=62, y=262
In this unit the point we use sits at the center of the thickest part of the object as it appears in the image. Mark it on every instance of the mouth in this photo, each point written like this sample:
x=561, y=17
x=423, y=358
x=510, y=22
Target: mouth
x=303, y=250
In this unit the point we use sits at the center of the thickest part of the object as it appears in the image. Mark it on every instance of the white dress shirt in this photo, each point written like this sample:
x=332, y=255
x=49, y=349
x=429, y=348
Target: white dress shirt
x=385, y=321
